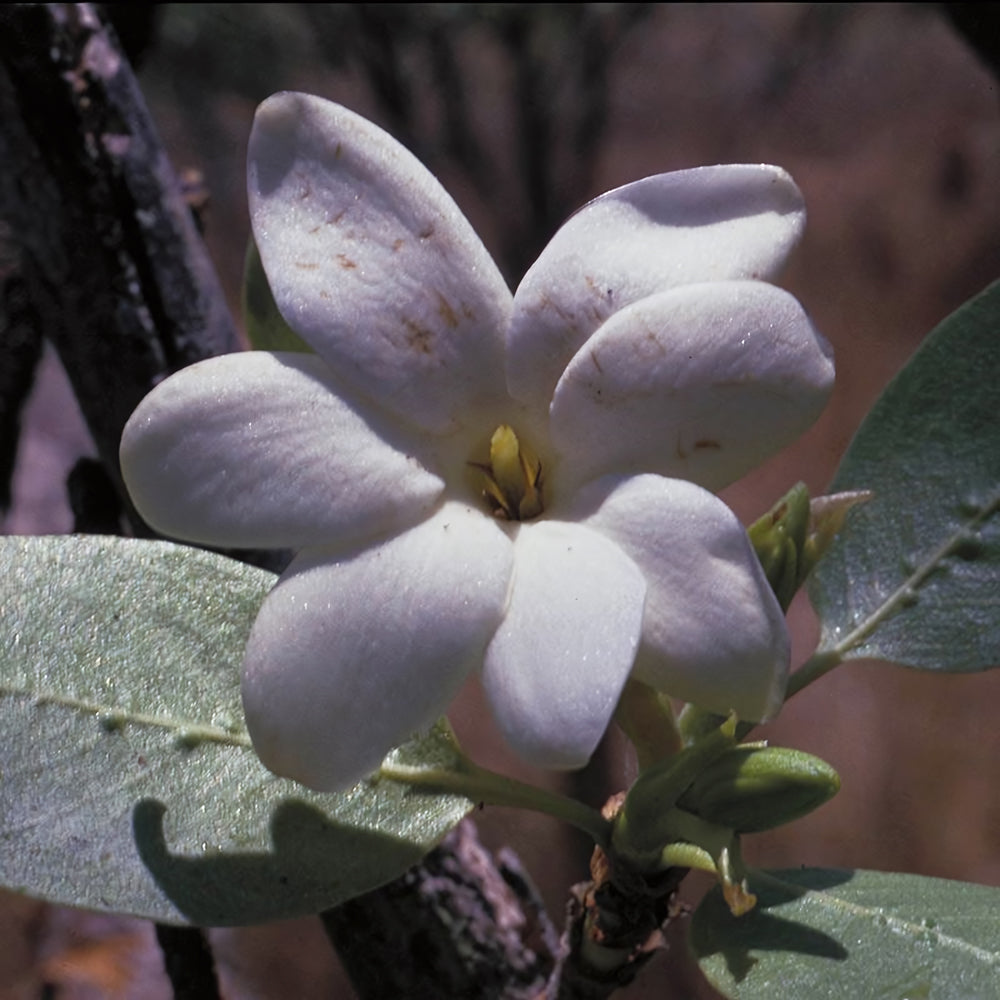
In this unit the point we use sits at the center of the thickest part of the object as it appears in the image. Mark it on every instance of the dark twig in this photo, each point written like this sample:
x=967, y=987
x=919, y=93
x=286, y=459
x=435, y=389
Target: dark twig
x=20, y=351
x=188, y=962
x=119, y=276
x=457, y=925
x=615, y=924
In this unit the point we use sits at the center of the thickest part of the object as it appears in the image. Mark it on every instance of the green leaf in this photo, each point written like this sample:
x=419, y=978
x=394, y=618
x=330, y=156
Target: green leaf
x=915, y=577
x=127, y=780
x=265, y=327
x=840, y=933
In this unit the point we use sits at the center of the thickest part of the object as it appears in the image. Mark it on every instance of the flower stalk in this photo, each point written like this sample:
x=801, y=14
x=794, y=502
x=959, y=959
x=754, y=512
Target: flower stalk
x=486, y=787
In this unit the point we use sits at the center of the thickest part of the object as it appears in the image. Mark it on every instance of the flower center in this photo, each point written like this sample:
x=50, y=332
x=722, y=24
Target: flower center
x=513, y=486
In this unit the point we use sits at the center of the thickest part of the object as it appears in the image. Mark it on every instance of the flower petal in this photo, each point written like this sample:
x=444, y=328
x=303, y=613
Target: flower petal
x=708, y=224
x=351, y=655
x=713, y=633
x=702, y=383
x=258, y=450
x=373, y=264
x=556, y=666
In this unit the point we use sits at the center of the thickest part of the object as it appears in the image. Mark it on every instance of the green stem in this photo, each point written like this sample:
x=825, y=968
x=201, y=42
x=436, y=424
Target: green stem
x=818, y=665
x=484, y=786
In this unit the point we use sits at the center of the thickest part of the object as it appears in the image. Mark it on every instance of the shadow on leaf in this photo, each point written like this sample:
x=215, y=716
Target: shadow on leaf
x=715, y=931
x=314, y=864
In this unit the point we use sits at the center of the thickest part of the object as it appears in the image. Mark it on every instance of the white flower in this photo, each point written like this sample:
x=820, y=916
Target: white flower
x=643, y=360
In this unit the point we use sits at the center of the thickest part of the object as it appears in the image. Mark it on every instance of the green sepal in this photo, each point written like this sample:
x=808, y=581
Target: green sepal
x=711, y=848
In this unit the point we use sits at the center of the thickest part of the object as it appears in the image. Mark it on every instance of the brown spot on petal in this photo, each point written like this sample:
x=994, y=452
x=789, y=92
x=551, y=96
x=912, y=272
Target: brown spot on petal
x=306, y=265
x=345, y=262
x=702, y=444
x=603, y=293
x=446, y=312
x=419, y=337
x=544, y=302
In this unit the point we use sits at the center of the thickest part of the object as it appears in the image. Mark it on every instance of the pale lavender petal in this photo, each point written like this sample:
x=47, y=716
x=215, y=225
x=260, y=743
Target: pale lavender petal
x=713, y=632
x=351, y=654
x=373, y=264
x=702, y=383
x=708, y=224
x=258, y=450
x=556, y=667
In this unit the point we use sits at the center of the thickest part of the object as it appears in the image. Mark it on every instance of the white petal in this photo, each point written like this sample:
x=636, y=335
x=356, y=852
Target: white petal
x=708, y=224
x=351, y=655
x=701, y=383
x=373, y=264
x=555, y=668
x=713, y=633
x=257, y=450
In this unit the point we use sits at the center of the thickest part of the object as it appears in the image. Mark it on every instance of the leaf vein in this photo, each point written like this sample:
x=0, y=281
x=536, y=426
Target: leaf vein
x=196, y=732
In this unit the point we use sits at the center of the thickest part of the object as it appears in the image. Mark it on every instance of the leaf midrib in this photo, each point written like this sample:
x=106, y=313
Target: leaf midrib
x=905, y=592
x=197, y=732
x=881, y=917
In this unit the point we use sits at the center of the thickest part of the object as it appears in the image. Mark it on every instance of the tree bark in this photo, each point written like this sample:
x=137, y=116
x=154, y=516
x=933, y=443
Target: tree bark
x=116, y=269
x=460, y=924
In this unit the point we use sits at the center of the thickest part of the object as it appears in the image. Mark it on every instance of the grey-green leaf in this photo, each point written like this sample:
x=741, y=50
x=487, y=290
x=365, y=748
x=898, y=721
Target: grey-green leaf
x=840, y=933
x=915, y=578
x=127, y=780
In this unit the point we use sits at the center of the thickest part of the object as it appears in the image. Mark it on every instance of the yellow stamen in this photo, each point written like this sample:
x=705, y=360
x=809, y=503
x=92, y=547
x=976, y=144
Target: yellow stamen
x=513, y=477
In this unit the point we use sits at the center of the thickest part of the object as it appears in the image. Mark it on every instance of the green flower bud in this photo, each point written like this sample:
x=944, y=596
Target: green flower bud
x=752, y=787
x=778, y=539
x=792, y=537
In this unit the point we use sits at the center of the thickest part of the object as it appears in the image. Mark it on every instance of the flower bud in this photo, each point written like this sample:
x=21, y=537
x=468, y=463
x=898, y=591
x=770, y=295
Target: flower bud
x=778, y=538
x=792, y=537
x=751, y=788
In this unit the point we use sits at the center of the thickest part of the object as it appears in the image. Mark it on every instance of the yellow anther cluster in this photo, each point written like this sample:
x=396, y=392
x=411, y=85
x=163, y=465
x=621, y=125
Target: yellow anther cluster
x=513, y=477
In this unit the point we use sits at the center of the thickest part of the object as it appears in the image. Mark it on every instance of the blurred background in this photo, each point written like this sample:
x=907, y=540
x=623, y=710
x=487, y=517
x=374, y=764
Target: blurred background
x=889, y=121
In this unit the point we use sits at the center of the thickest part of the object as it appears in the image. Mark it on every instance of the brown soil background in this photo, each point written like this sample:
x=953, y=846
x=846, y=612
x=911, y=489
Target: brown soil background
x=891, y=127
